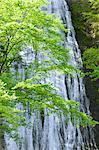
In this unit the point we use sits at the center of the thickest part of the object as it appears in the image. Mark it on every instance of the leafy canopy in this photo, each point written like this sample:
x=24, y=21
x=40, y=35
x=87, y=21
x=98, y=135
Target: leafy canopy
x=91, y=61
x=22, y=24
x=87, y=26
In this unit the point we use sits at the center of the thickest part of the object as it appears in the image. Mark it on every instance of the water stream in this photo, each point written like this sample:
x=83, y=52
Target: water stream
x=52, y=133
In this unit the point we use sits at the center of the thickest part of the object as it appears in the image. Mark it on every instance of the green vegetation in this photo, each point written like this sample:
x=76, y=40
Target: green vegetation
x=91, y=61
x=22, y=24
x=86, y=21
x=8, y=112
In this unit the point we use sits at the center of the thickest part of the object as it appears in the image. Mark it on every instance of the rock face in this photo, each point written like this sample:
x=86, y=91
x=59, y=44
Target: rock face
x=91, y=86
x=68, y=2
x=93, y=95
x=2, y=143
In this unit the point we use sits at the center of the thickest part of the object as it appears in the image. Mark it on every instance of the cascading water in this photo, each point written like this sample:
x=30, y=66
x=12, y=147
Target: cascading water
x=52, y=133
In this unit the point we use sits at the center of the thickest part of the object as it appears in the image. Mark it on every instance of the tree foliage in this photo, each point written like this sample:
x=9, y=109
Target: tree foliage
x=91, y=61
x=22, y=24
x=88, y=29
x=10, y=118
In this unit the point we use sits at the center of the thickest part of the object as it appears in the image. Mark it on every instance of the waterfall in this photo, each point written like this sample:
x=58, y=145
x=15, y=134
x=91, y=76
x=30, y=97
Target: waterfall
x=51, y=132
